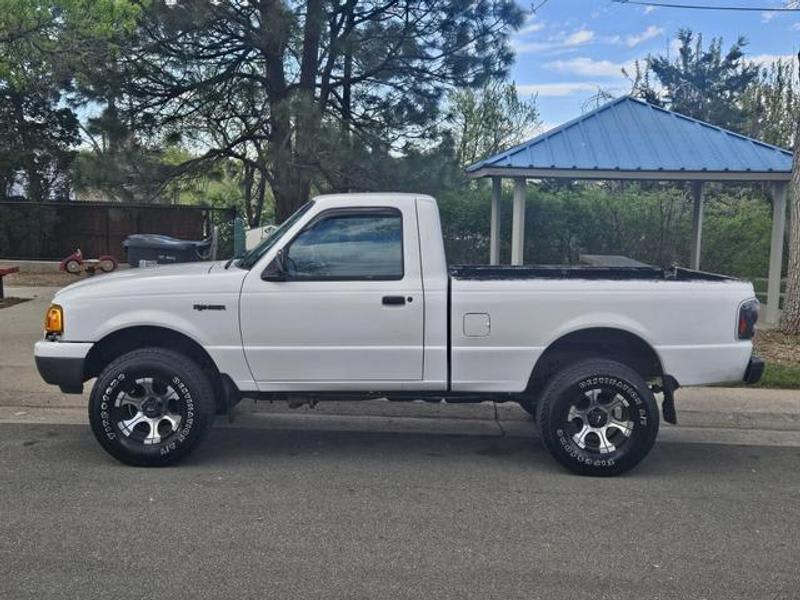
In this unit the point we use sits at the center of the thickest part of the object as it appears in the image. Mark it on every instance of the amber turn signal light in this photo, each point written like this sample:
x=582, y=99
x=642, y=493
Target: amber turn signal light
x=54, y=319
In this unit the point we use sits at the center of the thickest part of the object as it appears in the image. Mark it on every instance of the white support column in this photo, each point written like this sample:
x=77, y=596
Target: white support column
x=776, y=252
x=698, y=189
x=494, y=241
x=518, y=223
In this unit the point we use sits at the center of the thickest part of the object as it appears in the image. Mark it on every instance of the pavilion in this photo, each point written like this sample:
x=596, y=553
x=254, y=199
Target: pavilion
x=631, y=139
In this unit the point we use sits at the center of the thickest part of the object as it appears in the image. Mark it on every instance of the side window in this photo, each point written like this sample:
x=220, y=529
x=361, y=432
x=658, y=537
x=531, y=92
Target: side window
x=363, y=245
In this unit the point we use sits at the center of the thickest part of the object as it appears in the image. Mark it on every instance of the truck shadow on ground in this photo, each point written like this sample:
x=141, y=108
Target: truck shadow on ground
x=232, y=449
x=228, y=447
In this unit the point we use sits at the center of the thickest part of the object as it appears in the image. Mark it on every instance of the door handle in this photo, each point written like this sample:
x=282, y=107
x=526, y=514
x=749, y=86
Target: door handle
x=394, y=300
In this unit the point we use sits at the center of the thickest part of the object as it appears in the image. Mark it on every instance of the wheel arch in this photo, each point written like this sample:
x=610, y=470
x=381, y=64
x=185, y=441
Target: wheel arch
x=121, y=341
x=612, y=343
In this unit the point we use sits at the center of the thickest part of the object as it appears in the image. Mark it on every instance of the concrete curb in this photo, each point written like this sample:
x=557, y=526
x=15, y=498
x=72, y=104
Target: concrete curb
x=462, y=425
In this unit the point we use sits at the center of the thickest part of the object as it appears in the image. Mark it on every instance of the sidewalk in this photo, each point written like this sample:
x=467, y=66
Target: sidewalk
x=24, y=397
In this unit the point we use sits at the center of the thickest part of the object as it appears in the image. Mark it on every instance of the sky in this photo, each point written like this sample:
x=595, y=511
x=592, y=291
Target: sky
x=570, y=48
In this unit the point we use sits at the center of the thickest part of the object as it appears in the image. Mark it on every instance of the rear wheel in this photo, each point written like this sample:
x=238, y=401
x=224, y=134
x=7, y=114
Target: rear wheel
x=598, y=417
x=106, y=264
x=151, y=407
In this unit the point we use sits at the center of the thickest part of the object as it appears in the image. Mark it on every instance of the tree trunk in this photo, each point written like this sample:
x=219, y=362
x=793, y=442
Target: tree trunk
x=291, y=191
x=247, y=189
x=260, y=194
x=790, y=320
x=292, y=120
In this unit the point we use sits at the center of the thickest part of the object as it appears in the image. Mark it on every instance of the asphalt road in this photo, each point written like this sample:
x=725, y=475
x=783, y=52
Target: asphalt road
x=315, y=514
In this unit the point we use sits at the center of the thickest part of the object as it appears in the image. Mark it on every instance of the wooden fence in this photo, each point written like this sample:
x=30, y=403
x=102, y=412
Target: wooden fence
x=53, y=230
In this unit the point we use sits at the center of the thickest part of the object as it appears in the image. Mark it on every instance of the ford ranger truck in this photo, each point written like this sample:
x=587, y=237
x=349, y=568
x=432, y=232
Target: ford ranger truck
x=351, y=297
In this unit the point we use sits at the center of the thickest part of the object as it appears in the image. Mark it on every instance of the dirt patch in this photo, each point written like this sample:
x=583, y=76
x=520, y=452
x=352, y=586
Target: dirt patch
x=55, y=279
x=779, y=348
x=6, y=302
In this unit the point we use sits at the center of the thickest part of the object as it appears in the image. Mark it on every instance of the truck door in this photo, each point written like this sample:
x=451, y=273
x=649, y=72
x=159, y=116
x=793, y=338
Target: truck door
x=350, y=309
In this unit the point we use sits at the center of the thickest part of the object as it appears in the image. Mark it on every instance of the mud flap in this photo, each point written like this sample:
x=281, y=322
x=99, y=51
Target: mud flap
x=668, y=405
x=231, y=396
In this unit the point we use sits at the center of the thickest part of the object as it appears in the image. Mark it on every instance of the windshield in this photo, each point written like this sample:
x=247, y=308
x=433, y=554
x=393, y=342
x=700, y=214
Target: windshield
x=248, y=260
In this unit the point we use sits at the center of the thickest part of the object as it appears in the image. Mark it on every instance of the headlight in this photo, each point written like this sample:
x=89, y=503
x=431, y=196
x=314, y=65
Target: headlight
x=54, y=320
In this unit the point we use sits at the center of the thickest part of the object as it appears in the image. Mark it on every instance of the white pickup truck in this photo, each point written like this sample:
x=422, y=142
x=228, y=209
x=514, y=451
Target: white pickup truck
x=352, y=297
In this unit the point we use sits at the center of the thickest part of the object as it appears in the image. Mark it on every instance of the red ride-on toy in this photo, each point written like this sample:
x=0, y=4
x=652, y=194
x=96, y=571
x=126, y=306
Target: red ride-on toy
x=76, y=264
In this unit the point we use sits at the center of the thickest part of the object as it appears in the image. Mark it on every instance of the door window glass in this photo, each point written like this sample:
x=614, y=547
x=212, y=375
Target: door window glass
x=365, y=245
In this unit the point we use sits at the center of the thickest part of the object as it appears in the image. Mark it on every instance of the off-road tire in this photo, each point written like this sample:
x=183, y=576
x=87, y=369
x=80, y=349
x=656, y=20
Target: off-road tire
x=175, y=382
x=635, y=410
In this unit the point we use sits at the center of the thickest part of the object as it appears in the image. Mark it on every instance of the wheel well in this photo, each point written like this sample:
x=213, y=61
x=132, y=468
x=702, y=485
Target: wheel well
x=598, y=342
x=120, y=342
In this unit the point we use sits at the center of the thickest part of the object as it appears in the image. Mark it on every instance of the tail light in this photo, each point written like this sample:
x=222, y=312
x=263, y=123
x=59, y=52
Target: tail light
x=748, y=316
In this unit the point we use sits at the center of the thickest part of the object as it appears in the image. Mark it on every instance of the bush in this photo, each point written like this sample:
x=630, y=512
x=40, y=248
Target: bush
x=652, y=224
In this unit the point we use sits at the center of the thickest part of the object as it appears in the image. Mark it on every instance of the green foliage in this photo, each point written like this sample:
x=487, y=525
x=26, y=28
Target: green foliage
x=704, y=83
x=772, y=103
x=489, y=120
x=56, y=38
x=650, y=224
x=785, y=377
x=46, y=48
x=37, y=139
x=736, y=233
x=284, y=86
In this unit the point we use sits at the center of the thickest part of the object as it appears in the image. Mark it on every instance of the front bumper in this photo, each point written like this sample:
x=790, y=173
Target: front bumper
x=754, y=371
x=62, y=364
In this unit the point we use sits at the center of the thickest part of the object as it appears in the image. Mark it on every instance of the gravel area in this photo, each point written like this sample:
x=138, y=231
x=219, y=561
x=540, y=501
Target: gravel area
x=776, y=347
x=56, y=279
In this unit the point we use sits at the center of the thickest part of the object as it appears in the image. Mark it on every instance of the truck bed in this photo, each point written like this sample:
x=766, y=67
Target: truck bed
x=494, y=272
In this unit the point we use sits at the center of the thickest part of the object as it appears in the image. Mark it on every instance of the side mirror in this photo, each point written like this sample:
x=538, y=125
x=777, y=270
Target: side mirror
x=276, y=269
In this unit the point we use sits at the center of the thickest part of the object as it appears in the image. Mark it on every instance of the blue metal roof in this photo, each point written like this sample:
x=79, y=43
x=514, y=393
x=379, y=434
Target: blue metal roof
x=632, y=138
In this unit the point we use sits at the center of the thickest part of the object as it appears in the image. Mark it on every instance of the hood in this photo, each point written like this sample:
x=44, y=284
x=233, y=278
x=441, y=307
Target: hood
x=178, y=278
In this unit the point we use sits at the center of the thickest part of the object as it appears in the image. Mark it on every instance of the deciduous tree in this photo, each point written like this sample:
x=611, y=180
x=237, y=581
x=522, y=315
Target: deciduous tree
x=490, y=119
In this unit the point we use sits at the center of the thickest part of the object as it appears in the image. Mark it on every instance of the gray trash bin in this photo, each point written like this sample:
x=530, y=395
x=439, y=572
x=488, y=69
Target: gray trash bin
x=143, y=248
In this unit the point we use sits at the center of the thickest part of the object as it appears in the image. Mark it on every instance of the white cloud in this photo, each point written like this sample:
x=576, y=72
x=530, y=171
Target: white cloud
x=766, y=17
x=523, y=47
x=555, y=89
x=648, y=34
x=559, y=42
x=649, y=9
x=532, y=25
x=765, y=60
x=579, y=37
x=587, y=67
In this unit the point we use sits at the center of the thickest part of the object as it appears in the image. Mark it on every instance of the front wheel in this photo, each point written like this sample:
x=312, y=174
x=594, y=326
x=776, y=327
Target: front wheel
x=598, y=417
x=151, y=407
x=73, y=267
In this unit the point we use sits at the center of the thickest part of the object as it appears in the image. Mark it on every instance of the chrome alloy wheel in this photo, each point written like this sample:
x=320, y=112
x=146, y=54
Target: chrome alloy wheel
x=600, y=421
x=148, y=412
